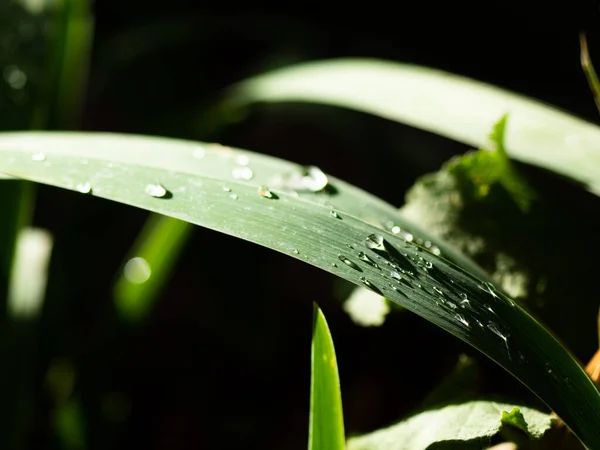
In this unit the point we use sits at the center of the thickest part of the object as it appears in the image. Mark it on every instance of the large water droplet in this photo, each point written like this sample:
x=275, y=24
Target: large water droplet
x=242, y=173
x=349, y=263
x=156, y=190
x=375, y=242
x=84, y=188
x=264, y=192
x=39, y=156
x=311, y=178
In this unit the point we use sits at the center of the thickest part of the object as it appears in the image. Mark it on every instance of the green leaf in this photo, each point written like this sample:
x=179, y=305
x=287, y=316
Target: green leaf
x=475, y=421
x=326, y=426
x=330, y=225
x=446, y=104
x=148, y=266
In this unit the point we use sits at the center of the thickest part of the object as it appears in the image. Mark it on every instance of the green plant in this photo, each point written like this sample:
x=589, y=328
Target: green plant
x=315, y=218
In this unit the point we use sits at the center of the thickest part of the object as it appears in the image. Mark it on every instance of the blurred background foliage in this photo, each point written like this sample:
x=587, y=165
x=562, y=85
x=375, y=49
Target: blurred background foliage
x=222, y=359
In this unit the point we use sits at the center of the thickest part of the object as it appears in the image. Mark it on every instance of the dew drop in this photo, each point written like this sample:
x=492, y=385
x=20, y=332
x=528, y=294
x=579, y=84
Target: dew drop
x=496, y=330
x=334, y=214
x=199, y=152
x=39, y=156
x=462, y=320
x=84, y=188
x=242, y=173
x=375, y=242
x=438, y=291
x=156, y=190
x=428, y=264
x=349, y=263
x=295, y=251
x=264, y=192
x=242, y=160
x=368, y=260
x=395, y=275
x=226, y=189
x=367, y=283
x=233, y=196
x=396, y=229
x=333, y=265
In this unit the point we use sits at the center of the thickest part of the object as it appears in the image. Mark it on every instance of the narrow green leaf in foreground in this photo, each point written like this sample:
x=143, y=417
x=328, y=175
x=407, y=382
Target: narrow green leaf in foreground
x=324, y=222
x=476, y=421
x=149, y=265
x=446, y=104
x=326, y=426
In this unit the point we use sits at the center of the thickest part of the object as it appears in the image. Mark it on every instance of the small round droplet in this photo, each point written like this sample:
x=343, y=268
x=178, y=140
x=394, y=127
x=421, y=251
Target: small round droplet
x=334, y=214
x=375, y=242
x=226, y=189
x=233, y=196
x=367, y=283
x=242, y=173
x=395, y=275
x=39, y=156
x=264, y=192
x=349, y=263
x=295, y=251
x=84, y=188
x=396, y=229
x=156, y=190
x=242, y=160
x=428, y=265
x=199, y=152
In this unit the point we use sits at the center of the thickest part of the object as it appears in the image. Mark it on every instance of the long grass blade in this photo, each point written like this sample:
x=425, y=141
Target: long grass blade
x=348, y=238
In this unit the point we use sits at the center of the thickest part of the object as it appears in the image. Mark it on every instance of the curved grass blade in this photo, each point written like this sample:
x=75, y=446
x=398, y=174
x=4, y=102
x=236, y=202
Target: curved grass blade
x=456, y=107
x=163, y=176
x=326, y=426
x=148, y=266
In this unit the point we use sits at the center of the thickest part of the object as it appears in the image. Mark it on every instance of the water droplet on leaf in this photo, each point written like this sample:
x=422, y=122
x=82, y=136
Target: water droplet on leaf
x=375, y=242
x=368, y=260
x=264, y=192
x=39, y=156
x=242, y=173
x=349, y=263
x=156, y=190
x=84, y=188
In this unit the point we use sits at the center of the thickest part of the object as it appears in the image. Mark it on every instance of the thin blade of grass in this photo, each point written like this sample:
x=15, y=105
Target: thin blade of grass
x=456, y=107
x=588, y=70
x=164, y=176
x=149, y=265
x=326, y=426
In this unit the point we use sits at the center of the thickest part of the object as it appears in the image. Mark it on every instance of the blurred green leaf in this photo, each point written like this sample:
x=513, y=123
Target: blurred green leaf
x=473, y=422
x=149, y=265
x=326, y=426
x=319, y=220
x=449, y=105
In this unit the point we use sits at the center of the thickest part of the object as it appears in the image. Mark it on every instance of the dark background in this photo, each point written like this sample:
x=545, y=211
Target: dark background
x=223, y=361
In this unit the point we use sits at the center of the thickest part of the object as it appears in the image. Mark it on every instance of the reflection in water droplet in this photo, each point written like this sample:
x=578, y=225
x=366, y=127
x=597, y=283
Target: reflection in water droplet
x=84, y=188
x=349, y=263
x=156, y=190
x=396, y=229
x=494, y=328
x=137, y=270
x=368, y=260
x=242, y=173
x=375, y=242
x=438, y=291
x=428, y=264
x=264, y=192
x=462, y=320
x=39, y=156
